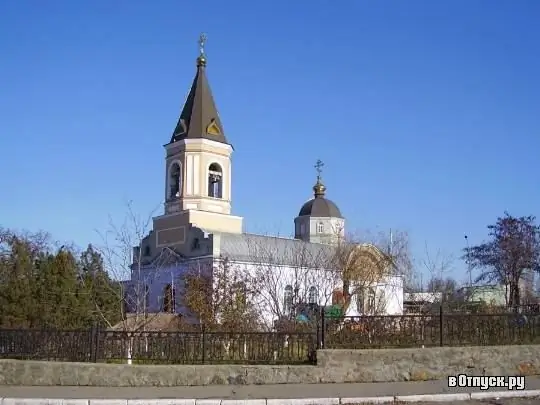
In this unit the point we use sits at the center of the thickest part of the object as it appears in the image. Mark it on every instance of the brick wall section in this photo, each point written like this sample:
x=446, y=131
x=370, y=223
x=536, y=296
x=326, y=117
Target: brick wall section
x=334, y=366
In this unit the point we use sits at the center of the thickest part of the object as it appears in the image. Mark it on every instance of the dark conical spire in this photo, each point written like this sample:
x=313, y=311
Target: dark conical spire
x=199, y=117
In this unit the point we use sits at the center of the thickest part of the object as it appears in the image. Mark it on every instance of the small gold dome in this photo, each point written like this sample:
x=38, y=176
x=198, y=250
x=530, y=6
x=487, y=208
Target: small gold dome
x=319, y=189
x=201, y=61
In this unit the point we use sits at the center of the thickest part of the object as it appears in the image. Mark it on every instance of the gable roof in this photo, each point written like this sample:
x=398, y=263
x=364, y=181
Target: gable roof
x=250, y=247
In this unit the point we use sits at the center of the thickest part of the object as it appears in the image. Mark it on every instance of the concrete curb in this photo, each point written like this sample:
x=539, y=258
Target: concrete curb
x=293, y=401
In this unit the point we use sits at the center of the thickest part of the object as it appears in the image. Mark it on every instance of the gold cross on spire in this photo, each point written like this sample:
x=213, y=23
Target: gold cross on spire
x=318, y=166
x=202, y=42
x=201, y=59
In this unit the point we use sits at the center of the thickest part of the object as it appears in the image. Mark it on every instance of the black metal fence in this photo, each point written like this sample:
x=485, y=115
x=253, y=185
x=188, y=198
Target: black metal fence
x=439, y=329
x=288, y=347
x=159, y=347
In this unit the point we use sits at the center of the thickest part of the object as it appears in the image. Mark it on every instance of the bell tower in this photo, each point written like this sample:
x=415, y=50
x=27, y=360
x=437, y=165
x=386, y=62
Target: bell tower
x=198, y=163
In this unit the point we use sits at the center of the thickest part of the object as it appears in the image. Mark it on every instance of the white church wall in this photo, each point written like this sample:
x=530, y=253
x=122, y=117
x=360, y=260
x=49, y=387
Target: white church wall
x=387, y=298
x=148, y=286
x=394, y=294
x=330, y=226
x=156, y=280
x=273, y=281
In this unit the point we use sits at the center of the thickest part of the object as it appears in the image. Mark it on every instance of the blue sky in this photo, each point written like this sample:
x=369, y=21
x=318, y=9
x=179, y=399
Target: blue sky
x=434, y=106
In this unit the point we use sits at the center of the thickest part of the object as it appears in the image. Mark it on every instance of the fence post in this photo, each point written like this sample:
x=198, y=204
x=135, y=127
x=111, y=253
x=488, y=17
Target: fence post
x=94, y=343
x=323, y=329
x=441, y=342
x=318, y=330
x=203, y=343
x=98, y=341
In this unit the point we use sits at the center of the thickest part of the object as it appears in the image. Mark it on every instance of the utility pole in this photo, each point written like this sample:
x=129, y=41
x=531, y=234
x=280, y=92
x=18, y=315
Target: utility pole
x=469, y=267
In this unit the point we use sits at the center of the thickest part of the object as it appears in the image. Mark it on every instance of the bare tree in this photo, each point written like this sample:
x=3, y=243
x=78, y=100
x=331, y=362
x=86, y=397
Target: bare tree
x=289, y=274
x=368, y=261
x=219, y=295
x=287, y=278
x=125, y=262
x=440, y=284
x=514, y=249
x=37, y=242
x=438, y=265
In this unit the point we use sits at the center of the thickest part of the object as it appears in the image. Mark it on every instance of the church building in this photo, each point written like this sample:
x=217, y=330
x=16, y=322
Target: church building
x=198, y=230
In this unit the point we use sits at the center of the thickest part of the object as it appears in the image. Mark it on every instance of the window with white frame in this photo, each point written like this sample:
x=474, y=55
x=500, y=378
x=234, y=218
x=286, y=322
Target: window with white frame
x=360, y=301
x=312, y=295
x=288, y=300
x=371, y=307
x=381, y=301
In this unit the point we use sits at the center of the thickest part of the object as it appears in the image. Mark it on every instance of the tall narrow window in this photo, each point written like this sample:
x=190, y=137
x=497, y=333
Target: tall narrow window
x=239, y=295
x=195, y=244
x=360, y=301
x=288, y=300
x=312, y=295
x=371, y=301
x=175, y=180
x=168, y=299
x=320, y=227
x=381, y=302
x=337, y=296
x=215, y=181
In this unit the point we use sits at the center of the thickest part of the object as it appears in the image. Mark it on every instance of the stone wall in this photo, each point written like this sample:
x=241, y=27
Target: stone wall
x=426, y=364
x=334, y=366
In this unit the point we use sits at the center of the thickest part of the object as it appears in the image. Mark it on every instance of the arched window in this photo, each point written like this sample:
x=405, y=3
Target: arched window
x=312, y=295
x=320, y=227
x=381, y=304
x=371, y=301
x=288, y=300
x=215, y=181
x=239, y=295
x=360, y=301
x=175, y=180
x=337, y=296
x=168, y=299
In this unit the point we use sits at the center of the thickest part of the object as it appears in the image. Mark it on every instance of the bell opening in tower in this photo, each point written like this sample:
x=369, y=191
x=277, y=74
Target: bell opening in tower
x=174, y=181
x=215, y=181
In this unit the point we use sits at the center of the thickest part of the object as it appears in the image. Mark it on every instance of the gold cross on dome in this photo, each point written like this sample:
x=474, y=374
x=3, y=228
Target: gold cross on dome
x=318, y=166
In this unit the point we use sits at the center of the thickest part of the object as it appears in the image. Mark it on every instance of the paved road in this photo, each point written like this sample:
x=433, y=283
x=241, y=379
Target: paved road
x=248, y=391
x=512, y=401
